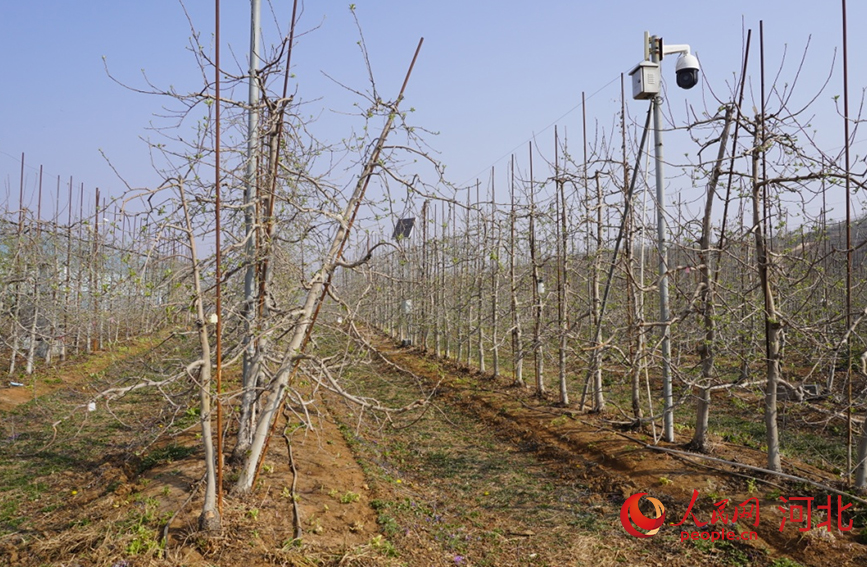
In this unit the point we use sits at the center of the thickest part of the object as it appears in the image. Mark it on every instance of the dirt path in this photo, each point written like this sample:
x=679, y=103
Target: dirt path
x=485, y=475
x=100, y=492
x=69, y=373
x=586, y=462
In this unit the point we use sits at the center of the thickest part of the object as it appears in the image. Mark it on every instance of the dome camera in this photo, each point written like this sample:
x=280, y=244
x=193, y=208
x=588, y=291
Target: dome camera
x=687, y=71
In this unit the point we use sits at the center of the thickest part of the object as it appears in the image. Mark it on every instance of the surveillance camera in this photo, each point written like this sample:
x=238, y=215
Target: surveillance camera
x=687, y=71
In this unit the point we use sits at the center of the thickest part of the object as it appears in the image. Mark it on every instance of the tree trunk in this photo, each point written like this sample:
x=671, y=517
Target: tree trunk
x=31, y=350
x=480, y=270
x=861, y=466
x=517, y=339
x=596, y=365
x=706, y=350
x=495, y=287
x=772, y=324
x=209, y=520
x=276, y=391
x=562, y=276
x=538, y=285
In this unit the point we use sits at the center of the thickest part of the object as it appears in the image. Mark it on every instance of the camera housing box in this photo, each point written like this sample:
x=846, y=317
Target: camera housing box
x=645, y=80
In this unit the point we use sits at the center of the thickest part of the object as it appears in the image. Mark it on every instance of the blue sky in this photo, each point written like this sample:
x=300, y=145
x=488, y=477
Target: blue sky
x=491, y=74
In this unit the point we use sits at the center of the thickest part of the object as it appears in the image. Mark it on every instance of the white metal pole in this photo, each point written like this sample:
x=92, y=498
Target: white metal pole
x=662, y=248
x=250, y=185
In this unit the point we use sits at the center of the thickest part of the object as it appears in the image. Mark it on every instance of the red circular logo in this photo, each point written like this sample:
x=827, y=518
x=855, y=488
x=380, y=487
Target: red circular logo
x=631, y=516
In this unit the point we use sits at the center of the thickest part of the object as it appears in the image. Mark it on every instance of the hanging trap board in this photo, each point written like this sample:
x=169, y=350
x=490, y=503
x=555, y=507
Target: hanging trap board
x=403, y=229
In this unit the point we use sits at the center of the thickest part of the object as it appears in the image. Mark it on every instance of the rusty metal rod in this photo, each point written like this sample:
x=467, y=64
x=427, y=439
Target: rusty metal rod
x=848, y=256
x=218, y=378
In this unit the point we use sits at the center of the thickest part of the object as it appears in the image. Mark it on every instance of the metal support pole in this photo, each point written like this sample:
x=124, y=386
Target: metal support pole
x=250, y=192
x=662, y=248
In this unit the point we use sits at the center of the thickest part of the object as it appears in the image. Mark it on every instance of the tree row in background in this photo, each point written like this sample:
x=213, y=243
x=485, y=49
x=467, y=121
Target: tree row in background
x=531, y=287
x=89, y=275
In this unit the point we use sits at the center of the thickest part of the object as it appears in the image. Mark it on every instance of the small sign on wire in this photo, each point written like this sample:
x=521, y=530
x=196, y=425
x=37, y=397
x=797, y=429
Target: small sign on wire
x=403, y=229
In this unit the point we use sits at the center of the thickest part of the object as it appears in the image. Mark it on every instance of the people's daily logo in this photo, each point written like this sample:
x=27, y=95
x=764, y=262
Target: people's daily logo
x=631, y=517
x=725, y=519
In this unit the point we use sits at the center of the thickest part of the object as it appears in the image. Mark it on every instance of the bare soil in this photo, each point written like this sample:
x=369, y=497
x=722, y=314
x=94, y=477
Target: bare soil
x=66, y=374
x=611, y=464
x=485, y=474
